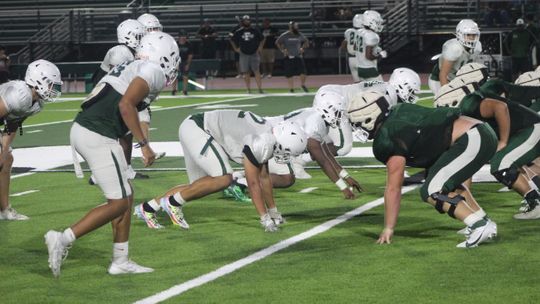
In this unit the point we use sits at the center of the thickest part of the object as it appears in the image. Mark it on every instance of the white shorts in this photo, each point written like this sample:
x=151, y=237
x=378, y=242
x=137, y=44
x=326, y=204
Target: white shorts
x=105, y=158
x=279, y=169
x=342, y=137
x=434, y=86
x=144, y=115
x=353, y=67
x=203, y=156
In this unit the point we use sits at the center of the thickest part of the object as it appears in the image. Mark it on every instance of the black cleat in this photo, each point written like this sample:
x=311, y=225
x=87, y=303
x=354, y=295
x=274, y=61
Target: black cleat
x=91, y=181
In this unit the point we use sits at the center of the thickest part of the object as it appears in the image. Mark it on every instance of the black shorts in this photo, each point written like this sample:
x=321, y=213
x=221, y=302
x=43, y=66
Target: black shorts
x=294, y=66
x=181, y=70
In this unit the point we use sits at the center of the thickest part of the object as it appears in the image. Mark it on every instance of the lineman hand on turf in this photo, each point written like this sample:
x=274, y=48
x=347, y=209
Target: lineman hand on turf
x=353, y=183
x=348, y=193
x=148, y=155
x=386, y=236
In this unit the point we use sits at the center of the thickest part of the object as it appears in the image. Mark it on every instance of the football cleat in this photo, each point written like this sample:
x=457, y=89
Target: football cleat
x=127, y=268
x=464, y=231
x=57, y=251
x=236, y=192
x=149, y=217
x=268, y=224
x=174, y=212
x=11, y=214
x=482, y=231
x=529, y=210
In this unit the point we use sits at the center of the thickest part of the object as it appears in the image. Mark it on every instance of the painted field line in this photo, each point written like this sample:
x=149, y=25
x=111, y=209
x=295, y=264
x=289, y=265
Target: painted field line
x=308, y=190
x=34, y=131
x=24, y=193
x=156, y=110
x=22, y=175
x=259, y=255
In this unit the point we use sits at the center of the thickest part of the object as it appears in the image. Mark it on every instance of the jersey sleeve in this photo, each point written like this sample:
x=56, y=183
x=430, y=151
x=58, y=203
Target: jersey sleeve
x=259, y=149
x=383, y=147
x=452, y=50
x=153, y=75
x=371, y=38
x=315, y=128
x=18, y=99
x=120, y=54
x=347, y=34
x=470, y=106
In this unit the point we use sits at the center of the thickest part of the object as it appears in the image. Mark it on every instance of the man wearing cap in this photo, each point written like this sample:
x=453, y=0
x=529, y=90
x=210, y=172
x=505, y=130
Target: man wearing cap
x=248, y=42
x=186, y=55
x=518, y=44
x=208, y=37
x=292, y=44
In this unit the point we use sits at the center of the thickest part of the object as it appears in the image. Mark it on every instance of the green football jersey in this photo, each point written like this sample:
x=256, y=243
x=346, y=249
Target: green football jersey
x=525, y=95
x=521, y=117
x=419, y=134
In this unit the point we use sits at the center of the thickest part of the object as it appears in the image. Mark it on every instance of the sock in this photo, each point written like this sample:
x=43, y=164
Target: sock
x=238, y=174
x=306, y=157
x=472, y=219
x=176, y=200
x=120, y=252
x=531, y=195
x=151, y=206
x=130, y=172
x=481, y=213
x=68, y=237
x=242, y=182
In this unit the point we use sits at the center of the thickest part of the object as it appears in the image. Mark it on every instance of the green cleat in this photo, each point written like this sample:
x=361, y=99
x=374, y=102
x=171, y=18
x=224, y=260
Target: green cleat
x=234, y=191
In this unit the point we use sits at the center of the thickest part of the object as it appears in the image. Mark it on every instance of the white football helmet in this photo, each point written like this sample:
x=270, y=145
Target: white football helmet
x=161, y=48
x=364, y=110
x=373, y=20
x=330, y=105
x=473, y=72
x=529, y=79
x=44, y=77
x=130, y=32
x=452, y=93
x=150, y=23
x=467, y=27
x=291, y=140
x=407, y=84
x=357, y=21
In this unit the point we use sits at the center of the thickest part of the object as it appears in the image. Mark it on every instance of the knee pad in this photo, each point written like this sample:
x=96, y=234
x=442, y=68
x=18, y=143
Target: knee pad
x=507, y=177
x=441, y=198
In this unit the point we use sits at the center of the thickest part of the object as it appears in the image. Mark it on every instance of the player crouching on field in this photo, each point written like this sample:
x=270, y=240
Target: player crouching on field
x=208, y=139
x=109, y=113
x=450, y=146
x=518, y=128
x=19, y=100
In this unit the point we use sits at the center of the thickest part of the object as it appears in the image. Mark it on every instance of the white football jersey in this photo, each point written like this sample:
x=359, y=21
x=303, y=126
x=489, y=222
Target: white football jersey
x=235, y=129
x=17, y=98
x=351, y=38
x=366, y=38
x=308, y=119
x=350, y=90
x=115, y=56
x=121, y=76
x=452, y=50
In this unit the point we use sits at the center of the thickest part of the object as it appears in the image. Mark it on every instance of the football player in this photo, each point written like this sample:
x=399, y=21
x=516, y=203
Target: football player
x=19, y=100
x=518, y=129
x=368, y=51
x=451, y=146
x=350, y=43
x=455, y=53
x=150, y=23
x=208, y=140
x=108, y=113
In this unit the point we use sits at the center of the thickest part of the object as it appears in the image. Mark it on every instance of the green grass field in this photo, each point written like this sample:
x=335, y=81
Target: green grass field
x=341, y=265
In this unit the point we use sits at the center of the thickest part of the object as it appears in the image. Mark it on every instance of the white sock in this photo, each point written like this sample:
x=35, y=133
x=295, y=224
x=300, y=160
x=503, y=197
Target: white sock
x=130, y=172
x=481, y=213
x=154, y=205
x=238, y=175
x=178, y=198
x=306, y=157
x=472, y=219
x=68, y=237
x=242, y=181
x=120, y=252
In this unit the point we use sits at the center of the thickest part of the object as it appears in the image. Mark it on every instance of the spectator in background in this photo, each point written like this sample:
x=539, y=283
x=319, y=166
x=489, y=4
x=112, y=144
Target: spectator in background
x=292, y=44
x=535, y=32
x=268, y=52
x=208, y=36
x=248, y=42
x=236, y=54
x=4, y=65
x=518, y=45
x=186, y=55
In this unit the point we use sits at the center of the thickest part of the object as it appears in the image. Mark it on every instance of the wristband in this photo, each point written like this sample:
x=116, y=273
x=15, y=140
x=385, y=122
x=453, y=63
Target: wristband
x=341, y=184
x=142, y=143
x=344, y=174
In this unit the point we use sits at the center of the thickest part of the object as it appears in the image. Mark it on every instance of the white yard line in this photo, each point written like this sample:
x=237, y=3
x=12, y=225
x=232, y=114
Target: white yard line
x=34, y=131
x=259, y=255
x=24, y=193
x=308, y=190
x=22, y=175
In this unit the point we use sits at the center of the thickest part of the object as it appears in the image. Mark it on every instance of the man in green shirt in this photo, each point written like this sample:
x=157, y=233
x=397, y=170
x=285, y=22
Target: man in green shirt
x=518, y=129
x=450, y=146
x=518, y=45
